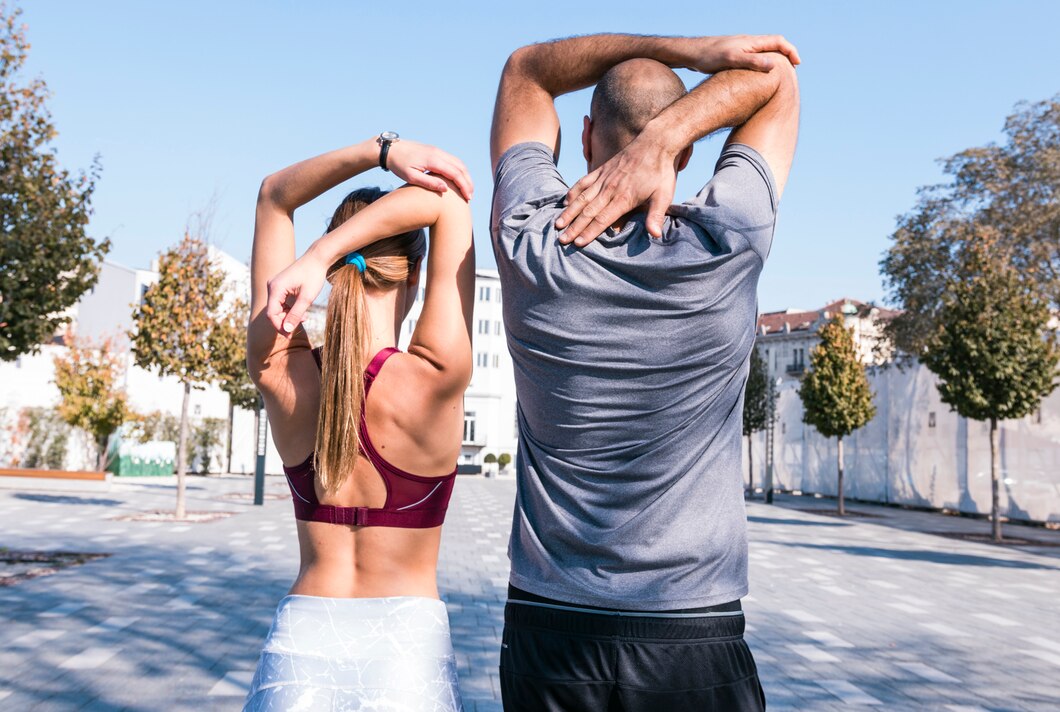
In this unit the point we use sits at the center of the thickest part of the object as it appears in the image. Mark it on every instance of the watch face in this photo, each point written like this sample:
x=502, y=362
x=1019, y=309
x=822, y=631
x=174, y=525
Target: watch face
x=388, y=136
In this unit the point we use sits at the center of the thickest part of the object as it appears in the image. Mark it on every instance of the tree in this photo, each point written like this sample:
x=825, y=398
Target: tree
x=503, y=460
x=835, y=391
x=992, y=351
x=490, y=458
x=230, y=357
x=1011, y=190
x=47, y=261
x=756, y=407
x=174, y=330
x=88, y=377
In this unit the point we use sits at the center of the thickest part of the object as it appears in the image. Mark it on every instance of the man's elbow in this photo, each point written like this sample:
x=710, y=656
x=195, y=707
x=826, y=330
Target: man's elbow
x=787, y=80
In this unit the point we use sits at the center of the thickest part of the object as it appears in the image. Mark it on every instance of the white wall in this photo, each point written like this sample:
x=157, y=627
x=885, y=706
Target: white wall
x=900, y=458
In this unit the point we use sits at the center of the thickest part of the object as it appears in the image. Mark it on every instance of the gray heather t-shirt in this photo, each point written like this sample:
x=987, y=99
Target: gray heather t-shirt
x=630, y=360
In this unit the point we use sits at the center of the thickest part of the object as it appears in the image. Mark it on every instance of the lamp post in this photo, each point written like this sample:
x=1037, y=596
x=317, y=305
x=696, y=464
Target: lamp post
x=771, y=437
x=259, y=465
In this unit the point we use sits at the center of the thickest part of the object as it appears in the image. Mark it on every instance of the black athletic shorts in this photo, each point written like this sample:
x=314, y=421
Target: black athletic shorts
x=590, y=660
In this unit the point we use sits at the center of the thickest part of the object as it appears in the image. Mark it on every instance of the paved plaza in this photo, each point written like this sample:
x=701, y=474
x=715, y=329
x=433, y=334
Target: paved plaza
x=869, y=612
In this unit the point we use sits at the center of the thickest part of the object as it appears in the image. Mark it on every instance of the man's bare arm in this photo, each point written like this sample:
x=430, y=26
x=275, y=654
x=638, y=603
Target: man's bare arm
x=536, y=74
x=764, y=108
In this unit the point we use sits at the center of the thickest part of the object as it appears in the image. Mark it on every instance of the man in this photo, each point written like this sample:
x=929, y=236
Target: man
x=630, y=332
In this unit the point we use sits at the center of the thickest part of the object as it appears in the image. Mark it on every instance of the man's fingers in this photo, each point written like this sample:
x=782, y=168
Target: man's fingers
x=576, y=199
x=596, y=226
x=656, y=214
x=583, y=208
x=760, y=62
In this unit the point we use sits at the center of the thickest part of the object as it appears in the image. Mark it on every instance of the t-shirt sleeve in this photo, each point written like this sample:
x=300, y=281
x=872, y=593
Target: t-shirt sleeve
x=526, y=178
x=741, y=196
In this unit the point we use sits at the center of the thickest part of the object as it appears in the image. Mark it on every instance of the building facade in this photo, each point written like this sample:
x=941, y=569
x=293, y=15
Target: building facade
x=490, y=426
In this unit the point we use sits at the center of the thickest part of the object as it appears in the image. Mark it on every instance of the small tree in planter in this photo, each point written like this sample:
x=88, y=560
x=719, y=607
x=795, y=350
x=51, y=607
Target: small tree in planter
x=503, y=460
x=992, y=351
x=175, y=329
x=88, y=377
x=835, y=391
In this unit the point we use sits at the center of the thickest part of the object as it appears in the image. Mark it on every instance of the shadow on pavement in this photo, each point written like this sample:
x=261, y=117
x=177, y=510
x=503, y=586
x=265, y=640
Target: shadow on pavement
x=67, y=499
x=796, y=522
x=938, y=557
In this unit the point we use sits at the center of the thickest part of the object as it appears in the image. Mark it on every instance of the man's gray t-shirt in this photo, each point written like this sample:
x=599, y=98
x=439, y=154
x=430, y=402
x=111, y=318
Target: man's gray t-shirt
x=630, y=359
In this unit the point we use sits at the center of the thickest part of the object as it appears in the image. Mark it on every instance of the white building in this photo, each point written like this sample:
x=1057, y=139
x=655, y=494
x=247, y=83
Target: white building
x=106, y=310
x=489, y=404
x=785, y=338
x=916, y=451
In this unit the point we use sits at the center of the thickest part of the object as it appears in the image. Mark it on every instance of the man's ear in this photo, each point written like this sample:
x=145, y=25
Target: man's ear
x=683, y=158
x=587, y=139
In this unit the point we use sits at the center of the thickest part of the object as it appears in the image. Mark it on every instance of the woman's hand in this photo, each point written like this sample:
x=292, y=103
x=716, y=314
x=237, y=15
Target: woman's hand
x=293, y=290
x=420, y=164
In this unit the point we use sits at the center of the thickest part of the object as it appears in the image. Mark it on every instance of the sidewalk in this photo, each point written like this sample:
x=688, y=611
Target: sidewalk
x=843, y=614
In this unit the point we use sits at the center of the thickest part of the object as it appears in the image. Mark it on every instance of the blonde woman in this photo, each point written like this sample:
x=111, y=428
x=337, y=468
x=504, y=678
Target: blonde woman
x=369, y=435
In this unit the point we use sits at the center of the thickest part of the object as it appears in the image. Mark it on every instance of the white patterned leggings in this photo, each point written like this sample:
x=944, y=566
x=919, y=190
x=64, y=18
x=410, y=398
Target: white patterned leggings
x=380, y=654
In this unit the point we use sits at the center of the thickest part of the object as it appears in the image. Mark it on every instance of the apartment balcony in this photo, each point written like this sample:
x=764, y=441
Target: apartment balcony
x=795, y=369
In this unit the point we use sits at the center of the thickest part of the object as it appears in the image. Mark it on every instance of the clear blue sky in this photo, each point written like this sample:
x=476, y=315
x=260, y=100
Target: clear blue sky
x=184, y=100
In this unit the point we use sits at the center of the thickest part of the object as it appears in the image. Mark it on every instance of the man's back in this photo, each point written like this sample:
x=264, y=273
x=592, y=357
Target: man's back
x=630, y=360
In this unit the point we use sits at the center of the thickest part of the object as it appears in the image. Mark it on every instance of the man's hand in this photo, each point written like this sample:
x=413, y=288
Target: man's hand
x=715, y=54
x=643, y=172
x=420, y=164
x=293, y=290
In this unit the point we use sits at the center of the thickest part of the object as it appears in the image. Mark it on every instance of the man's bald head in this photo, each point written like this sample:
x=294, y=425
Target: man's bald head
x=629, y=96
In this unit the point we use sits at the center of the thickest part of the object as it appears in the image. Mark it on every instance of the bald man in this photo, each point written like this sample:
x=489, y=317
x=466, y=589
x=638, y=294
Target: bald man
x=630, y=321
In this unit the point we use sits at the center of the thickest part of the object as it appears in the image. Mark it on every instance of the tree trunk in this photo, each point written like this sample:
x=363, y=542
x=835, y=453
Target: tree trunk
x=842, y=509
x=995, y=465
x=231, y=418
x=182, y=446
x=750, y=466
x=101, y=454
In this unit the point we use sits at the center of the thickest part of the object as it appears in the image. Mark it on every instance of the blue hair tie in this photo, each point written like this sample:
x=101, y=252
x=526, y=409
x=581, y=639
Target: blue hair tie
x=356, y=258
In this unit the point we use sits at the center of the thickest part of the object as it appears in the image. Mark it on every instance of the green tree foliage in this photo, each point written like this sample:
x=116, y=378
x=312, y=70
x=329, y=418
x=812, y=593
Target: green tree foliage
x=156, y=425
x=503, y=460
x=174, y=330
x=756, y=407
x=992, y=351
x=46, y=438
x=47, y=261
x=1011, y=191
x=88, y=377
x=230, y=356
x=835, y=392
x=490, y=458
x=205, y=439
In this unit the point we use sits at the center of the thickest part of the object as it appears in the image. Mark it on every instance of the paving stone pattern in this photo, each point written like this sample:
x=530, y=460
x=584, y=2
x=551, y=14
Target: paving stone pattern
x=853, y=614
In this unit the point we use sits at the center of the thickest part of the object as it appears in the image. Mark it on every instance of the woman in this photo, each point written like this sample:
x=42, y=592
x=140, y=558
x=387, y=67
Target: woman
x=369, y=436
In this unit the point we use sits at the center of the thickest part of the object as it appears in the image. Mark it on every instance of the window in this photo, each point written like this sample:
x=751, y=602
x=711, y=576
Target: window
x=482, y=360
x=469, y=426
x=412, y=325
x=484, y=326
x=420, y=294
x=498, y=295
x=496, y=328
x=931, y=419
x=143, y=291
x=496, y=361
x=483, y=294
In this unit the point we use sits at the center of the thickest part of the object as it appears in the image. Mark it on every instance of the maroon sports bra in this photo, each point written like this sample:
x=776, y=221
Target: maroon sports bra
x=412, y=501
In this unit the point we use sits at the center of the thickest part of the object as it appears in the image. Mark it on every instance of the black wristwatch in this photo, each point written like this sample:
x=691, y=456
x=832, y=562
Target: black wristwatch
x=384, y=140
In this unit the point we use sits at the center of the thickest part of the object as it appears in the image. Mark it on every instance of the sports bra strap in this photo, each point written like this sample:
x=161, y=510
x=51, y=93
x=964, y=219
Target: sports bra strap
x=375, y=365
